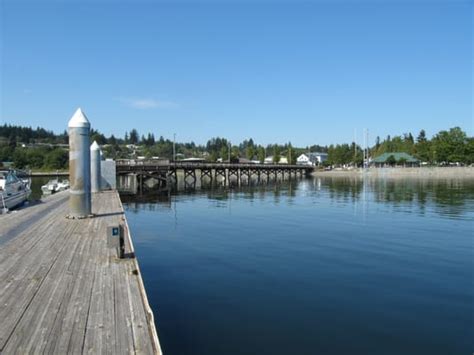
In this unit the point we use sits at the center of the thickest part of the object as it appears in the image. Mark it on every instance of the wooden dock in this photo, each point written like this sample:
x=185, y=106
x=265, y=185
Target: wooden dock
x=62, y=290
x=56, y=174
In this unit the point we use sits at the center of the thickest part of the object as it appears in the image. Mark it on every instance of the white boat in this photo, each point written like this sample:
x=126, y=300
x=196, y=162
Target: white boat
x=50, y=187
x=62, y=185
x=13, y=190
x=53, y=186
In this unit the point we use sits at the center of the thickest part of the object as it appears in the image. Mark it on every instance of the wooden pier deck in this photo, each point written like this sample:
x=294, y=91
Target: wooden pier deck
x=62, y=290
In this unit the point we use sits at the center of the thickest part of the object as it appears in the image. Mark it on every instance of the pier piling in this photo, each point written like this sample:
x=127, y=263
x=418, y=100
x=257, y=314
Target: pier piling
x=79, y=166
x=95, y=168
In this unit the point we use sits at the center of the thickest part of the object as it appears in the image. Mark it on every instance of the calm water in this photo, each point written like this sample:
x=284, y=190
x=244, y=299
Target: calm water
x=323, y=266
x=36, y=184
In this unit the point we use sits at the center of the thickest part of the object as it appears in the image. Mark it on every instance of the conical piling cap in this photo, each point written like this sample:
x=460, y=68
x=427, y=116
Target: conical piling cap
x=95, y=146
x=79, y=120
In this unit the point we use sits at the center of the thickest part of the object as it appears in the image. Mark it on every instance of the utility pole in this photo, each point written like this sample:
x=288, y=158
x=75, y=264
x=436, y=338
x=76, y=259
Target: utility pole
x=366, y=147
x=367, y=144
x=355, y=147
x=230, y=147
x=174, y=147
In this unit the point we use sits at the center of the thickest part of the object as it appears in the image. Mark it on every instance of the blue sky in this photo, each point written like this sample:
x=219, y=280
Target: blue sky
x=305, y=72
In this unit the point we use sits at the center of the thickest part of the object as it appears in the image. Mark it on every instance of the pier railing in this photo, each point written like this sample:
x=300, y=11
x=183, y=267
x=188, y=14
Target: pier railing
x=150, y=164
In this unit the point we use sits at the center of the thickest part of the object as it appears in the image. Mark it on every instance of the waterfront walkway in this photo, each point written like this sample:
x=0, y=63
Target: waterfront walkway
x=63, y=291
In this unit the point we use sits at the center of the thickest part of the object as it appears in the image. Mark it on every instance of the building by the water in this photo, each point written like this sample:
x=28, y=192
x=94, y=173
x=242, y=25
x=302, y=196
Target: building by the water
x=395, y=158
x=312, y=159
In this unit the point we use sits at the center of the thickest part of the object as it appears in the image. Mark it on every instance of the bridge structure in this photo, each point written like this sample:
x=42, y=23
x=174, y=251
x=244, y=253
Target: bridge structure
x=165, y=174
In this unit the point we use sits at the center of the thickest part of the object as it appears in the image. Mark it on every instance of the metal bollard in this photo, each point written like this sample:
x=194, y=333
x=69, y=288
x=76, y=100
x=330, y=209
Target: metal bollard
x=95, y=168
x=79, y=166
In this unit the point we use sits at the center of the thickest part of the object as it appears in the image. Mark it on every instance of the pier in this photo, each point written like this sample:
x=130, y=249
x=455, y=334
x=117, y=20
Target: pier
x=56, y=174
x=165, y=174
x=63, y=290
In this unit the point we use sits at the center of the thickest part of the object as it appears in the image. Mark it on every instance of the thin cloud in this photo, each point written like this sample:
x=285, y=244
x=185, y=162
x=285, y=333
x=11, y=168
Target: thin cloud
x=146, y=103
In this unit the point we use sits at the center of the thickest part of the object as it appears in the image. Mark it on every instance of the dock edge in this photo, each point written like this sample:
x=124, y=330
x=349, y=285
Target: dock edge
x=148, y=310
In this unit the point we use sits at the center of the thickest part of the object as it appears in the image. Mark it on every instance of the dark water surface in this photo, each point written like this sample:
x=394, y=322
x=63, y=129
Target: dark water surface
x=36, y=183
x=322, y=266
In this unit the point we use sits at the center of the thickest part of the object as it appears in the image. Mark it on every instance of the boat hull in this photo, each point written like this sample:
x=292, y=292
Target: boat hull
x=14, y=200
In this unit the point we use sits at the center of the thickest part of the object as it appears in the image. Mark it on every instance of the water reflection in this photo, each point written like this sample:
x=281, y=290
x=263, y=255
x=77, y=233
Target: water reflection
x=345, y=188
x=448, y=198
x=325, y=254
x=36, y=183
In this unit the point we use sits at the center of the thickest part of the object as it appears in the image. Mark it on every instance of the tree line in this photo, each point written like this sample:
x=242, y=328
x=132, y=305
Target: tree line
x=45, y=149
x=445, y=147
x=42, y=149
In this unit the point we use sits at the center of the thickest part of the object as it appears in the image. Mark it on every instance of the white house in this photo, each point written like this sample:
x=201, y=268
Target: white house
x=269, y=160
x=311, y=159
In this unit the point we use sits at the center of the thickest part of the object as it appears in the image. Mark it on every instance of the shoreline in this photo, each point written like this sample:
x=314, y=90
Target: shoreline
x=393, y=173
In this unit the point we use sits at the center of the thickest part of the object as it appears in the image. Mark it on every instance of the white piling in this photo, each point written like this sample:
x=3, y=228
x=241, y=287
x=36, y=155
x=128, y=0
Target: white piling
x=95, y=168
x=79, y=166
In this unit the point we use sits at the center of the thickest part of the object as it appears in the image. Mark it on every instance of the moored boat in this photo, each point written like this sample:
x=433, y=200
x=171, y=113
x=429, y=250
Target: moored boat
x=62, y=185
x=53, y=186
x=50, y=187
x=13, y=190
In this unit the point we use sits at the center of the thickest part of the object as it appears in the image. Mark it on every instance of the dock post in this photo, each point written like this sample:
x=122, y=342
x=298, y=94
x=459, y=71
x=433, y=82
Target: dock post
x=79, y=166
x=95, y=168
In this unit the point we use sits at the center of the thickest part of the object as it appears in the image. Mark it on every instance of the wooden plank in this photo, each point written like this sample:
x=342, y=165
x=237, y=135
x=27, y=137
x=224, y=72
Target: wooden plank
x=123, y=314
x=55, y=326
x=139, y=320
x=31, y=329
x=135, y=270
x=63, y=291
x=22, y=287
x=18, y=266
x=19, y=217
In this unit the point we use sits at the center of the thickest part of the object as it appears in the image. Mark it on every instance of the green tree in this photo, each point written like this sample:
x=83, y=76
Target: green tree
x=56, y=159
x=134, y=137
x=469, y=151
x=213, y=156
x=235, y=154
x=276, y=154
x=112, y=140
x=98, y=137
x=422, y=147
x=250, y=152
x=224, y=153
x=6, y=153
x=35, y=157
x=421, y=136
x=449, y=146
x=20, y=159
x=261, y=154
x=291, y=155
